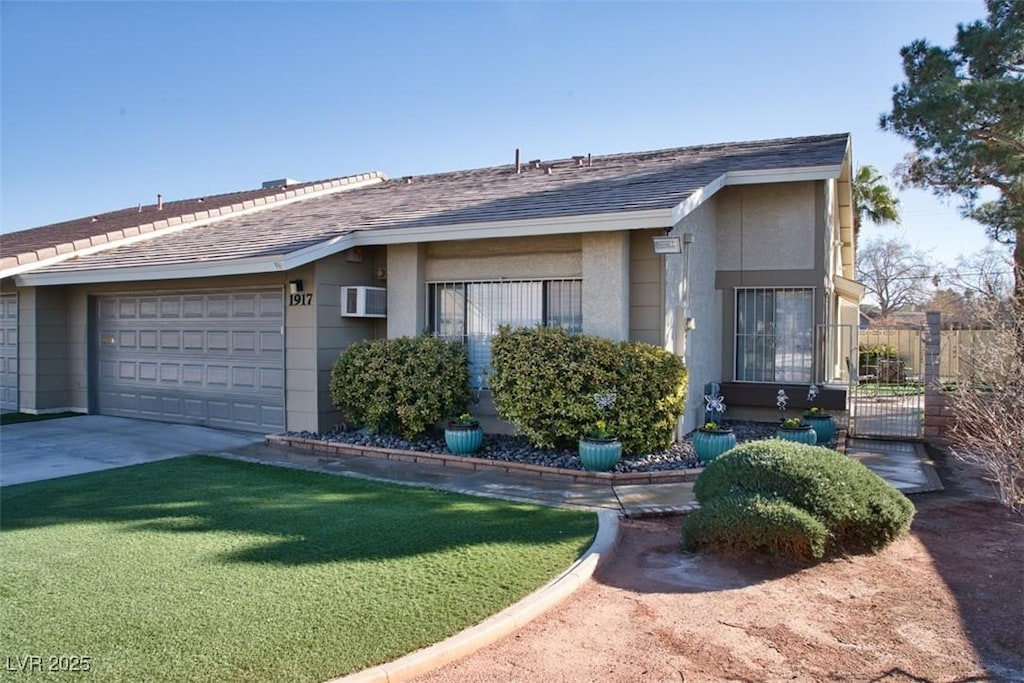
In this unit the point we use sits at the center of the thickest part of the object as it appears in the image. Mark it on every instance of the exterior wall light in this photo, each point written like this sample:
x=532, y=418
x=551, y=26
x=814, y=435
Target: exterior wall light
x=295, y=287
x=667, y=245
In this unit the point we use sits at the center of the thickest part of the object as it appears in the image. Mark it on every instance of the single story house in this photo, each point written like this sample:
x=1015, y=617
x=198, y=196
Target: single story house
x=230, y=310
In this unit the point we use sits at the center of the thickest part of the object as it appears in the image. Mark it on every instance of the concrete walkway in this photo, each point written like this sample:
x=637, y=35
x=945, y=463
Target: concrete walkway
x=904, y=465
x=56, y=448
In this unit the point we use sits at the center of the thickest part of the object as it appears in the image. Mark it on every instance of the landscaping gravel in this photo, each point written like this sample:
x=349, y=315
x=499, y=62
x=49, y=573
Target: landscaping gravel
x=517, y=449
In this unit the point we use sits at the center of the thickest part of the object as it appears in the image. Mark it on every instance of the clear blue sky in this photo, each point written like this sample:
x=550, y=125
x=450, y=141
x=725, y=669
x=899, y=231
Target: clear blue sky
x=107, y=104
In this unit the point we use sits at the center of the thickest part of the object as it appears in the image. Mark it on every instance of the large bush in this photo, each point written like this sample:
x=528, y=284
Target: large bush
x=401, y=386
x=742, y=523
x=860, y=510
x=545, y=379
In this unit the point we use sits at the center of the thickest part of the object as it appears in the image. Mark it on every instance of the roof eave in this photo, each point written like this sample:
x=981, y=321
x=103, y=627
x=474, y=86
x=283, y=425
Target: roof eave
x=529, y=227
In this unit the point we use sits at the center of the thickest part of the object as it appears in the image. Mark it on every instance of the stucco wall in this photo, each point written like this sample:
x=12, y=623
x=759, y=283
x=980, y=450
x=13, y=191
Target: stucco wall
x=519, y=258
x=701, y=347
x=406, y=273
x=606, y=284
x=646, y=288
x=767, y=227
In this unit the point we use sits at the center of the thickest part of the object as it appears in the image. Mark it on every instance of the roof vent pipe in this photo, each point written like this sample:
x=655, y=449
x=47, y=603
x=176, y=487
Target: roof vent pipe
x=519, y=166
x=579, y=161
x=535, y=163
x=159, y=202
x=589, y=162
x=548, y=169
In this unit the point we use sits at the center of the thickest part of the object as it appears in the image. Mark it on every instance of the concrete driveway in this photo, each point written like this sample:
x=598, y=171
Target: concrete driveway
x=31, y=451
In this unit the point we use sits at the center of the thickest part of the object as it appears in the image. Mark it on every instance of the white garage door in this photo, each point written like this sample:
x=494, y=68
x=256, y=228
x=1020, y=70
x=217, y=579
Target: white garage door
x=9, y=352
x=214, y=359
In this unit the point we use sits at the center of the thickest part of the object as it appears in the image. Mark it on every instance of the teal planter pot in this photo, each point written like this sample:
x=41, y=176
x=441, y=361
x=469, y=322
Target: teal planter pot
x=804, y=434
x=599, y=455
x=463, y=439
x=708, y=445
x=824, y=426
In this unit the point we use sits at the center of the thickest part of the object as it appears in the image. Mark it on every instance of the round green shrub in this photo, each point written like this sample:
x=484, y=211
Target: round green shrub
x=742, y=523
x=545, y=379
x=401, y=386
x=861, y=511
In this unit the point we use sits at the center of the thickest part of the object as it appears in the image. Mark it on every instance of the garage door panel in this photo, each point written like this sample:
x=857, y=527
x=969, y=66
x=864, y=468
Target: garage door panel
x=9, y=352
x=213, y=359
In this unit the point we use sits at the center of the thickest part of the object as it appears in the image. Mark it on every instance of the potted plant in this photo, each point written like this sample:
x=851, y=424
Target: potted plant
x=599, y=450
x=463, y=435
x=712, y=440
x=795, y=429
x=823, y=423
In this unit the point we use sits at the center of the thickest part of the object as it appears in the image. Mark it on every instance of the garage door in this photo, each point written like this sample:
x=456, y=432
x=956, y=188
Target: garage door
x=9, y=352
x=214, y=359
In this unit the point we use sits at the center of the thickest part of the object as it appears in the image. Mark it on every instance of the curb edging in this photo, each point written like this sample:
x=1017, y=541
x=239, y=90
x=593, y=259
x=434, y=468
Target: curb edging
x=504, y=622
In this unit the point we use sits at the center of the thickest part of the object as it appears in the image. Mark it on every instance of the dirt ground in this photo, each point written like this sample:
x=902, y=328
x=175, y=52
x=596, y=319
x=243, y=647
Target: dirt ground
x=945, y=603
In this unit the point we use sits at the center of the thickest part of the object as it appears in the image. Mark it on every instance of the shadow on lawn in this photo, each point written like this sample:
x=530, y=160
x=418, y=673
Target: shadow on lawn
x=307, y=517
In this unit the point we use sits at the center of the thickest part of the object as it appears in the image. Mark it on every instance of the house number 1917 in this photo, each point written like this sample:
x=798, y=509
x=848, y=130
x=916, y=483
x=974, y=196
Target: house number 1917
x=300, y=299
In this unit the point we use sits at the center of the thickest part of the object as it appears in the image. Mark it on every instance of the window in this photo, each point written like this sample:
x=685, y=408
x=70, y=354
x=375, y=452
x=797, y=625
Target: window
x=774, y=335
x=471, y=312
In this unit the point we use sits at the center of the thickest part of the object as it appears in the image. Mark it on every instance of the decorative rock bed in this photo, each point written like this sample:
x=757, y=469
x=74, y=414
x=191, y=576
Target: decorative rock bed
x=502, y=448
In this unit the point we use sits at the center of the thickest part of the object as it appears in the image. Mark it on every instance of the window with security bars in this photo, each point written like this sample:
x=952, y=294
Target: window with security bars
x=774, y=335
x=471, y=312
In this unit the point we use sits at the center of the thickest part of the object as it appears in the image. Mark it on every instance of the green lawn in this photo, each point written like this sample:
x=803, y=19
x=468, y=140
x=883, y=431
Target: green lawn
x=202, y=569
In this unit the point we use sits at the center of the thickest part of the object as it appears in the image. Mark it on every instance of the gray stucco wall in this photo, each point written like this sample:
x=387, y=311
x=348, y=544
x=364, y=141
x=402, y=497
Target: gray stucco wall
x=698, y=299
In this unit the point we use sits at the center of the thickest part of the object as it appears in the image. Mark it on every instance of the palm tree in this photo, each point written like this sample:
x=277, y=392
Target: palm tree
x=873, y=199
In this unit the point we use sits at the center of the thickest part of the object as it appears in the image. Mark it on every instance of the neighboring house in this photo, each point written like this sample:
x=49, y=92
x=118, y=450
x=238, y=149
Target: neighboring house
x=228, y=311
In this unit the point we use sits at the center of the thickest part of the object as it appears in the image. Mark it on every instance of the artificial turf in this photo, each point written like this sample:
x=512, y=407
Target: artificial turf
x=201, y=569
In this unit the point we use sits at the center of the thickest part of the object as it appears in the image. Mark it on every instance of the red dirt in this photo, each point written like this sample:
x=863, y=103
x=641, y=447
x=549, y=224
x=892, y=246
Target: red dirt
x=945, y=603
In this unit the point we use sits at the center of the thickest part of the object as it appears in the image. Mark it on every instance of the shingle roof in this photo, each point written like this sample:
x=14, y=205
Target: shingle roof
x=33, y=244
x=614, y=183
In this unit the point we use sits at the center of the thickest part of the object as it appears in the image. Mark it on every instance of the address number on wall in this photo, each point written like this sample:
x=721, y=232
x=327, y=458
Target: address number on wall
x=300, y=299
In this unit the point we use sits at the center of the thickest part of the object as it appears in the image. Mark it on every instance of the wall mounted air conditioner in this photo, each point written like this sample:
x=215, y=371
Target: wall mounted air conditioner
x=364, y=302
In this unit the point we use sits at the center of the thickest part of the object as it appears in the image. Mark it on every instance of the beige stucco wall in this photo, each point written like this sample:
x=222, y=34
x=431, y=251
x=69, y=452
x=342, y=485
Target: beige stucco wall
x=606, y=284
x=646, y=288
x=762, y=227
x=511, y=258
x=406, y=294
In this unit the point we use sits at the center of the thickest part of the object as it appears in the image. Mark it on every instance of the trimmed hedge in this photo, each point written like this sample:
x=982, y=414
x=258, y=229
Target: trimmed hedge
x=742, y=523
x=860, y=510
x=544, y=382
x=401, y=386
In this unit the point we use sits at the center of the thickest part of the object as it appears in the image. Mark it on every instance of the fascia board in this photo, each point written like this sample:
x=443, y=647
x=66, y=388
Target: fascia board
x=177, y=271
x=180, y=227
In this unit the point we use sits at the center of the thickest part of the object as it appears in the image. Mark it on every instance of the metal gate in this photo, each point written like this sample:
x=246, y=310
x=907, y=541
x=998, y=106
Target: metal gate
x=887, y=384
